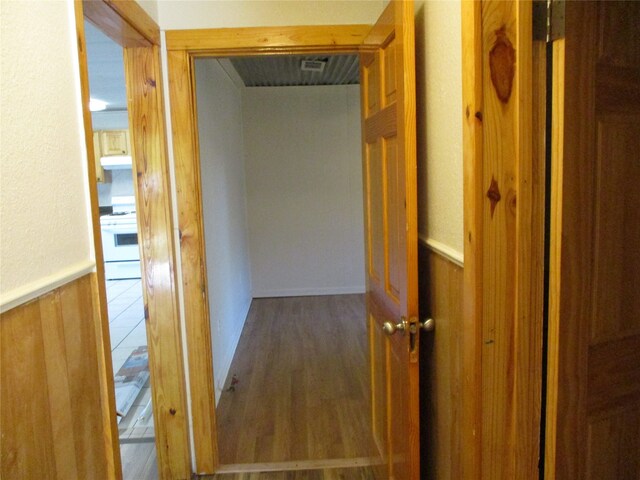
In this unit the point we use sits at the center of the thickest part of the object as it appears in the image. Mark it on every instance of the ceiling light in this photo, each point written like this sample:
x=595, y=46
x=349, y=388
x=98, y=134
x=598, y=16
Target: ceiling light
x=96, y=105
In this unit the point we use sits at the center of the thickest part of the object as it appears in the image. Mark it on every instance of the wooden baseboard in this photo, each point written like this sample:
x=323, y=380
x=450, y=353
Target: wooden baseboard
x=308, y=292
x=37, y=288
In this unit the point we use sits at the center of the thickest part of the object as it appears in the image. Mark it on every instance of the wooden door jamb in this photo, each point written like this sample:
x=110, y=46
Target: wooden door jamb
x=130, y=26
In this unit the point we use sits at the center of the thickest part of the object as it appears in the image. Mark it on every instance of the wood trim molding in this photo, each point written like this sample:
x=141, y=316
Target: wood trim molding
x=183, y=46
x=125, y=22
x=269, y=40
x=471, y=325
x=135, y=16
x=555, y=258
x=159, y=278
x=504, y=241
x=107, y=389
x=33, y=290
x=300, y=465
x=193, y=258
x=445, y=251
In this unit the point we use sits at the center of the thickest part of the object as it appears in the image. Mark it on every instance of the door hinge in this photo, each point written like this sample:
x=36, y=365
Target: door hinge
x=548, y=20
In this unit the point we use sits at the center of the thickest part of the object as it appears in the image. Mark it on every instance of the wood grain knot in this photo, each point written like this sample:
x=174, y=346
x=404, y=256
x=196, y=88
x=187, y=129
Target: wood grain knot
x=493, y=194
x=172, y=411
x=151, y=82
x=479, y=115
x=502, y=63
x=512, y=201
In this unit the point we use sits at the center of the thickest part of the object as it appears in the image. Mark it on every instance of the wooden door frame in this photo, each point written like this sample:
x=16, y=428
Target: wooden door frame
x=504, y=188
x=130, y=26
x=183, y=48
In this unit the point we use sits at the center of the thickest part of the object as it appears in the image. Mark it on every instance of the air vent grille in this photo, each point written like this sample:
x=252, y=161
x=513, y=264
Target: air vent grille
x=313, y=65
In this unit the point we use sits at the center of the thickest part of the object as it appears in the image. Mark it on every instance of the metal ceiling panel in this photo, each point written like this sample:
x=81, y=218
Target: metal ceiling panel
x=285, y=70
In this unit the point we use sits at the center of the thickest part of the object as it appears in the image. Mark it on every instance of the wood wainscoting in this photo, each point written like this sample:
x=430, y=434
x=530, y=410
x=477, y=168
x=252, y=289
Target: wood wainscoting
x=441, y=285
x=52, y=414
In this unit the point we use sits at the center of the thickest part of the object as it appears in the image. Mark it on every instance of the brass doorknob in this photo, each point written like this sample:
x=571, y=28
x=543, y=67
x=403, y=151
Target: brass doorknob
x=428, y=325
x=390, y=328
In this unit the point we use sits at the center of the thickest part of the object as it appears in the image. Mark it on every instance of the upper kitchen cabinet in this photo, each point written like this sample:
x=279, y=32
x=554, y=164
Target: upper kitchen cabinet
x=114, y=142
x=100, y=177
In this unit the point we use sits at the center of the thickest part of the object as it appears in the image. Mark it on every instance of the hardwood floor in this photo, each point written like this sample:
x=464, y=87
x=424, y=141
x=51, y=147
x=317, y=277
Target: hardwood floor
x=303, y=386
x=302, y=394
x=356, y=473
x=139, y=463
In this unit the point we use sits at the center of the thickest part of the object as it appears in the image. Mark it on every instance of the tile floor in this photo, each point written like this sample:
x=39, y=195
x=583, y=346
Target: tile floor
x=126, y=319
x=127, y=328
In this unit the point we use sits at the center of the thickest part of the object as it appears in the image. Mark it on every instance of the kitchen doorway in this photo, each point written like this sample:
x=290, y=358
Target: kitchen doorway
x=119, y=238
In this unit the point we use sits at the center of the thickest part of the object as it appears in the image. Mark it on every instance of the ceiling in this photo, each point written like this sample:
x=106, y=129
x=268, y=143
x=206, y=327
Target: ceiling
x=284, y=70
x=106, y=70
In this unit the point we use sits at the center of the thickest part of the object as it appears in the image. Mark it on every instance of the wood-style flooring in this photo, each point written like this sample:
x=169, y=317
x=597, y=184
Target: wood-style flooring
x=355, y=473
x=139, y=463
x=302, y=395
x=303, y=386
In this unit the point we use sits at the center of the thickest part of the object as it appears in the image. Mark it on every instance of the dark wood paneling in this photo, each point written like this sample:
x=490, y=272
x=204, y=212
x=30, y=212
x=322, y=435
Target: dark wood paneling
x=441, y=284
x=594, y=381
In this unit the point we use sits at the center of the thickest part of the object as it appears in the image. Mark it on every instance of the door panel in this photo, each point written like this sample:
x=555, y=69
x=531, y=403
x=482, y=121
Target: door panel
x=375, y=207
x=594, y=395
x=389, y=164
x=617, y=230
x=393, y=228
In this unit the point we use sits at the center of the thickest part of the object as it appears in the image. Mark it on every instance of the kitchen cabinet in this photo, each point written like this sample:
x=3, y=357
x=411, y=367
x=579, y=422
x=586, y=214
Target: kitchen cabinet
x=100, y=177
x=114, y=142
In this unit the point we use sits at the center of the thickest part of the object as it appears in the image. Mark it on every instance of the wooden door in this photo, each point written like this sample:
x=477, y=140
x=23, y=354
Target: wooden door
x=593, y=422
x=389, y=170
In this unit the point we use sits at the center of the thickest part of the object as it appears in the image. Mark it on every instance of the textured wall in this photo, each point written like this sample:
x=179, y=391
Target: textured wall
x=304, y=187
x=439, y=109
x=219, y=104
x=44, y=226
x=187, y=14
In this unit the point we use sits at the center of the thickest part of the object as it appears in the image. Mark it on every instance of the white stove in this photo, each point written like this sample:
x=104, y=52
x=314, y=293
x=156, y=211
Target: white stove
x=120, y=240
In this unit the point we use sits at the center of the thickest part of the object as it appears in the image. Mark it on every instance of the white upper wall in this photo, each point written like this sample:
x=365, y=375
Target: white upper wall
x=189, y=14
x=224, y=205
x=439, y=110
x=304, y=190
x=44, y=220
x=439, y=83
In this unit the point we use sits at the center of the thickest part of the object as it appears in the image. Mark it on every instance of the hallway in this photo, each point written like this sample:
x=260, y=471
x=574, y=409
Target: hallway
x=302, y=391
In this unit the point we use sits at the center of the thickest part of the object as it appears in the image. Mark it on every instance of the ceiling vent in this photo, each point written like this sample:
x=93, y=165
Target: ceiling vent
x=313, y=65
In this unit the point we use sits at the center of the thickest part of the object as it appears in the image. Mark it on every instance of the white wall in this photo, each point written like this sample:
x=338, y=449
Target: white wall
x=439, y=109
x=44, y=221
x=188, y=14
x=219, y=104
x=304, y=186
